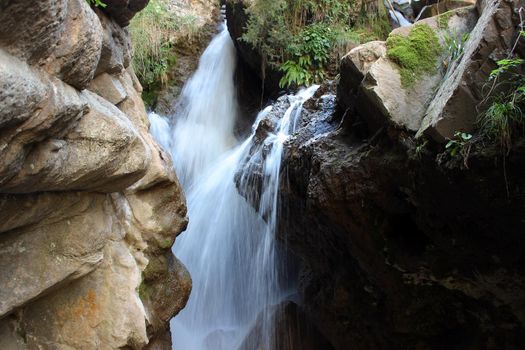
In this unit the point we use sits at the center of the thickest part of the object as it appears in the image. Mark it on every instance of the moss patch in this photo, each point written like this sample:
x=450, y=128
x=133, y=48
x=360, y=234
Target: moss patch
x=415, y=54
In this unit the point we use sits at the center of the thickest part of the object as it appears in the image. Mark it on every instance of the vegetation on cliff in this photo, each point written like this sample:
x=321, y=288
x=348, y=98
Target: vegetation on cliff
x=154, y=33
x=305, y=39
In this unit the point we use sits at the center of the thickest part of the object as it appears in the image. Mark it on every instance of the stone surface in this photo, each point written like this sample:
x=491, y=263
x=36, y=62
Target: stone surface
x=89, y=203
x=122, y=11
x=68, y=46
x=65, y=248
x=354, y=66
x=461, y=97
x=370, y=83
x=442, y=7
x=108, y=87
x=51, y=106
x=104, y=152
x=116, y=47
x=397, y=250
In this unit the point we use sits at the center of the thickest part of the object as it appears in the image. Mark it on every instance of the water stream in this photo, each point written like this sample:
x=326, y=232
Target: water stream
x=229, y=248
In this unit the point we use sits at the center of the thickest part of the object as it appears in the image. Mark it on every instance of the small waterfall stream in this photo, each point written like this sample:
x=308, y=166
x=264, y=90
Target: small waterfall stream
x=229, y=247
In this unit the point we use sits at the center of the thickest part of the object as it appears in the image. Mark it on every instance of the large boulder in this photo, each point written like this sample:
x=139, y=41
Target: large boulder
x=461, y=97
x=398, y=251
x=375, y=85
x=63, y=37
x=122, y=11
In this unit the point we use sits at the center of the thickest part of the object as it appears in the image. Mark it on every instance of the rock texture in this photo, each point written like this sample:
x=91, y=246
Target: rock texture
x=369, y=76
x=89, y=203
x=440, y=104
x=399, y=249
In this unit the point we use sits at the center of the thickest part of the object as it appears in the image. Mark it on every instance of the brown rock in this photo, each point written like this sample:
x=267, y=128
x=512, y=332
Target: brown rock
x=354, y=66
x=66, y=247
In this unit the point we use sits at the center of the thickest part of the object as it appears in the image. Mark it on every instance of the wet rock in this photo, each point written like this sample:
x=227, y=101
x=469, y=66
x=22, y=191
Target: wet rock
x=291, y=330
x=398, y=252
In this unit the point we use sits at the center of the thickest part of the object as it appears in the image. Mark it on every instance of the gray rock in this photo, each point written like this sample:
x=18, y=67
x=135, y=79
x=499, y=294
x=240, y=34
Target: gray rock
x=109, y=88
x=34, y=259
x=104, y=152
x=116, y=47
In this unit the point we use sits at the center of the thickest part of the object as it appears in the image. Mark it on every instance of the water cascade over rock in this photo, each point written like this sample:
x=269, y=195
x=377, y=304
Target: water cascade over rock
x=229, y=247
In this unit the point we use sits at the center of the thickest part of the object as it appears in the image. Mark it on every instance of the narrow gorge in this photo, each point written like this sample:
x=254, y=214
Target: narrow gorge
x=262, y=174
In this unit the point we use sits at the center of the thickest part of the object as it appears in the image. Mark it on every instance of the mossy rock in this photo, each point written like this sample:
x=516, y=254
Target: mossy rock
x=415, y=54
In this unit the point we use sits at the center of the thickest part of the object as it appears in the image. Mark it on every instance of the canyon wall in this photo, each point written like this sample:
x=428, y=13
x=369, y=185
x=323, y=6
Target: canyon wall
x=89, y=203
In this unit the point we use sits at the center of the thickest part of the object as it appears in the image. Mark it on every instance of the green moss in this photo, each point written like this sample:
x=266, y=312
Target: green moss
x=415, y=54
x=443, y=19
x=144, y=291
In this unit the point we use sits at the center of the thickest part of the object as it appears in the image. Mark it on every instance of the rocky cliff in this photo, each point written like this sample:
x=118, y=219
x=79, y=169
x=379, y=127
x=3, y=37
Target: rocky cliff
x=402, y=243
x=89, y=203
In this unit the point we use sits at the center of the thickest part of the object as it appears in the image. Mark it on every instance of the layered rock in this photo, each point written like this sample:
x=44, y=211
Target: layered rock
x=90, y=204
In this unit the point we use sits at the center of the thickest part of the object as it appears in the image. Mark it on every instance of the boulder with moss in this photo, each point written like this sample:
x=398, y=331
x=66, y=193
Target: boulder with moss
x=396, y=85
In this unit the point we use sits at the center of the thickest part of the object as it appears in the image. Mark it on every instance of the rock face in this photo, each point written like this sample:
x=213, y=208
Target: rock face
x=89, y=203
x=399, y=251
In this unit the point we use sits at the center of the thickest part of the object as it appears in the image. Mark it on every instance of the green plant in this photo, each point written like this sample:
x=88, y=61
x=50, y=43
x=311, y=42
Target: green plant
x=455, y=45
x=420, y=148
x=97, y=3
x=295, y=73
x=505, y=112
x=457, y=145
x=415, y=54
x=155, y=31
x=305, y=39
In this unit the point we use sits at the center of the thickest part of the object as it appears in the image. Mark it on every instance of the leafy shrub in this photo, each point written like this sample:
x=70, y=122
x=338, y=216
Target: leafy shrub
x=505, y=113
x=154, y=33
x=415, y=54
x=457, y=145
x=299, y=37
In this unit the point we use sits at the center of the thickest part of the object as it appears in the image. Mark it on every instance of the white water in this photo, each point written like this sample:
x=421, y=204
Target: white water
x=228, y=248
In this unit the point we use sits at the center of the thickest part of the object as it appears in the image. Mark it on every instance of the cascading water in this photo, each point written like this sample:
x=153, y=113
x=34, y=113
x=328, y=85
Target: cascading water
x=228, y=247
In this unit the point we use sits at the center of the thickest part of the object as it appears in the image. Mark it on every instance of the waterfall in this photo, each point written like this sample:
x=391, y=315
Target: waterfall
x=229, y=247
